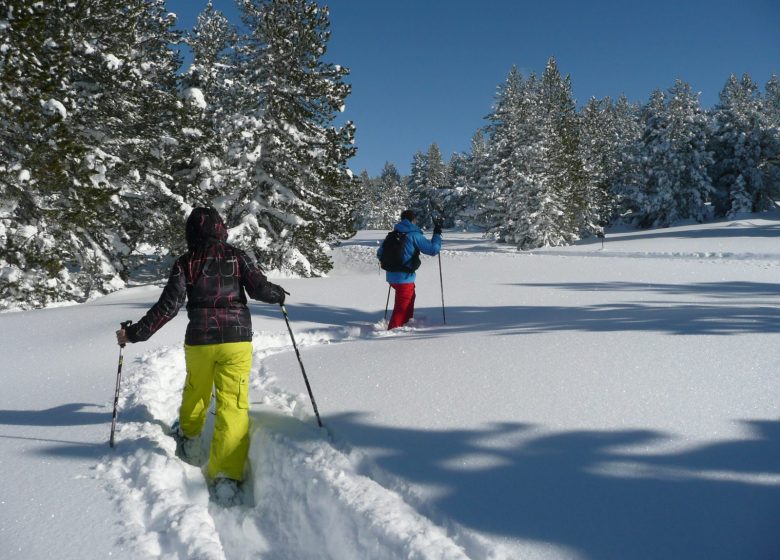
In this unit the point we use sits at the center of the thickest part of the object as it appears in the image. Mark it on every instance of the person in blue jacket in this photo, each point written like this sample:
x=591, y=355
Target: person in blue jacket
x=403, y=281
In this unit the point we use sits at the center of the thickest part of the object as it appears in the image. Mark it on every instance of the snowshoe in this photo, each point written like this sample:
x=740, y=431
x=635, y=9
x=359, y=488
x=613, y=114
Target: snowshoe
x=226, y=492
x=188, y=450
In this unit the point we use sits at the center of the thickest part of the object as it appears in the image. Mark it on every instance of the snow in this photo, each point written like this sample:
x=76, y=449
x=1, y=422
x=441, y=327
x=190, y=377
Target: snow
x=195, y=97
x=52, y=106
x=113, y=63
x=579, y=403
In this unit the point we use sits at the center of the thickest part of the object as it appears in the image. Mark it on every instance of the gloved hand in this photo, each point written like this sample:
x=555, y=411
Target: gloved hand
x=277, y=294
x=121, y=334
x=121, y=337
x=437, y=222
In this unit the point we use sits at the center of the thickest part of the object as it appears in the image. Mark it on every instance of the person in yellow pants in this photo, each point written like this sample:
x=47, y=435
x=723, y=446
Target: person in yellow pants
x=215, y=278
x=226, y=367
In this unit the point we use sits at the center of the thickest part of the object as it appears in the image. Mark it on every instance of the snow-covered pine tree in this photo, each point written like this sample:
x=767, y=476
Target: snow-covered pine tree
x=298, y=193
x=437, y=186
x=640, y=188
x=364, y=213
x=142, y=113
x=539, y=213
x=210, y=103
x=597, y=152
x=563, y=172
x=739, y=144
x=451, y=204
x=428, y=178
x=628, y=127
x=673, y=183
x=771, y=101
x=87, y=96
x=771, y=108
x=536, y=171
x=690, y=136
x=510, y=133
x=392, y=196
x=417, y=184
x=472, y=189
x=609, y=133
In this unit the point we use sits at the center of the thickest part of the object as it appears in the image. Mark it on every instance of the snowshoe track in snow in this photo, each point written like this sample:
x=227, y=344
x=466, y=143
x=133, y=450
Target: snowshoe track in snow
x=305, y=497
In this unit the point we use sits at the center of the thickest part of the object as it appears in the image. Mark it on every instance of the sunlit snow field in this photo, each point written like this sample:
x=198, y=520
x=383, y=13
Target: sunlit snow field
x=585, y=402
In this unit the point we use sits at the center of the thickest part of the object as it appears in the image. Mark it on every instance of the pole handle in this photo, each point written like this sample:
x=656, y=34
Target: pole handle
x=123, y=325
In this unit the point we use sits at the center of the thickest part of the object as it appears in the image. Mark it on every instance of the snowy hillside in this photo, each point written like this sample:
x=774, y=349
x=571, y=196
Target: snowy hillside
x=584, y=402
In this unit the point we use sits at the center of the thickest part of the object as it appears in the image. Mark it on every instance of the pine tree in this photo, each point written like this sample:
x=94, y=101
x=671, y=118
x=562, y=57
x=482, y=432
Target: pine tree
x=417, y=185
x=210, y=103
x=673, y=183
x=87, y=100
x=609, y=133
x=564, y=168
x=393, y=198
x=628, y=127
x=771, y=103
x=295, y=191
x=452, y=202
x=512, y=137
x=739, y=144
x=770, y=166
x=427, y=189
x=596, y=149
x=365, y=213
x=536, y=173
x=437, y=189
x=474, y=189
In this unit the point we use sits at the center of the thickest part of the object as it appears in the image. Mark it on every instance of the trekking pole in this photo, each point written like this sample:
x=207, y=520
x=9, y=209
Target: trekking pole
x=303, y=371
x=441, y=283
x=118, y=380
x=440, y=220
x=387, y=303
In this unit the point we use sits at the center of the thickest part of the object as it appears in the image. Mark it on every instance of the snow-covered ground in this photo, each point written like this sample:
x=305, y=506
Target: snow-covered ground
x=581, y=403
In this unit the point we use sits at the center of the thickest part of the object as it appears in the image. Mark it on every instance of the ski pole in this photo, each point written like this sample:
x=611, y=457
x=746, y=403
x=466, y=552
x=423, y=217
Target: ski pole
x=387, y=303
x=118, y=380
x=441, y=283
x=440, y=221
x=303, y=371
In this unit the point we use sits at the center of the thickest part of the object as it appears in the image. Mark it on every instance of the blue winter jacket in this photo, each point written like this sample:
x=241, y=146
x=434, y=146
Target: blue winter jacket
x=414, y=240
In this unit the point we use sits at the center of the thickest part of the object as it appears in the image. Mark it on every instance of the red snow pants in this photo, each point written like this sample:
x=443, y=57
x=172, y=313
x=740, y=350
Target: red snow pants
x=403, y=309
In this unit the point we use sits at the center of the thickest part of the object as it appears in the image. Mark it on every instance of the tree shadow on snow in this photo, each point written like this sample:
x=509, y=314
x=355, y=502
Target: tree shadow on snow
x=734, y=230
x=717, y=290
x=726, y=317
x=325, y=315
x=71, y=414
x=735, y=308
x=579, y=490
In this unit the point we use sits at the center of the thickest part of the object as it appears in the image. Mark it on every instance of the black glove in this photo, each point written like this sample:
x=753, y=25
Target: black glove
x=437, y=222
x=277, y=294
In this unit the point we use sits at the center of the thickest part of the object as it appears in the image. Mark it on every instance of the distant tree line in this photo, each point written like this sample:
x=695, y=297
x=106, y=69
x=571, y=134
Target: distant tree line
x=106, y=144
x=543, y=173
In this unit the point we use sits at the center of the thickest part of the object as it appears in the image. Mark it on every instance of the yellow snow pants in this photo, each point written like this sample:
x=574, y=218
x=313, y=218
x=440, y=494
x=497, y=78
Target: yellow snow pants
x=226, y=367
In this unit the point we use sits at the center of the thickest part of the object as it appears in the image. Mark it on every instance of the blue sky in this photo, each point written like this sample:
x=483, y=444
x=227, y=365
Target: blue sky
x=425, y=71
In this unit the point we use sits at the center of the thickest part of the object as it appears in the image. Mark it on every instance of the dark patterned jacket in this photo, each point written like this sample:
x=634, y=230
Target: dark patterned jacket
x=215, y=278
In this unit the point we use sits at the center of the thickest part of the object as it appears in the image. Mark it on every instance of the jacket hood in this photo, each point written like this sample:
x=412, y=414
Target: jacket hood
x=405, y=226
x=204, y=226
